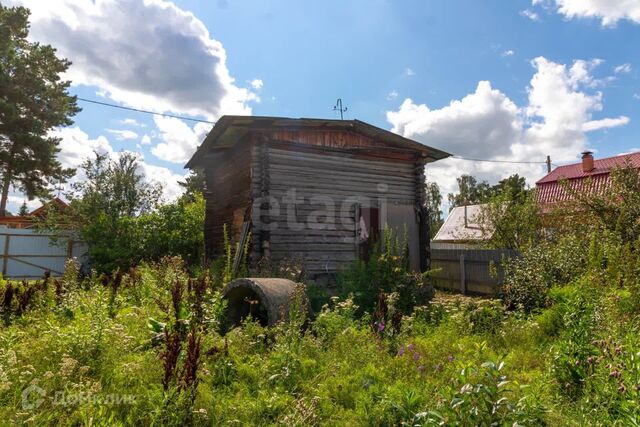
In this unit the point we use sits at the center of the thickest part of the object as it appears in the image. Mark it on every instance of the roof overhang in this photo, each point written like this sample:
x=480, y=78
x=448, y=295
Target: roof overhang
x=231, y=129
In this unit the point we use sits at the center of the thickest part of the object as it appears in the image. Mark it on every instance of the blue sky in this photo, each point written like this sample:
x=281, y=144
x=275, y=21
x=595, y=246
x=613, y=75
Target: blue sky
x=508, y=80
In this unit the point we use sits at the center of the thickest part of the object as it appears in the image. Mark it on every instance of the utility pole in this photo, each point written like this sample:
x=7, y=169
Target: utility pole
x=548, y=164
x=338, y=107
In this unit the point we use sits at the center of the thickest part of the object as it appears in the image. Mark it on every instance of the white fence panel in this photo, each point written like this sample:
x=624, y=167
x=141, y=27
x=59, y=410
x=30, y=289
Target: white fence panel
x=27, y=253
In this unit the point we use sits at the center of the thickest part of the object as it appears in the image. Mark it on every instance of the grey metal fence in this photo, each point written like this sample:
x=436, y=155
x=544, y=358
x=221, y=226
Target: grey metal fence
x=26, y=253
x=468, y=270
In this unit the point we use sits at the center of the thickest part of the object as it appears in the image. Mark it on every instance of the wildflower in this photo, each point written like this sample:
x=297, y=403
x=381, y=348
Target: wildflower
x=416, y=356
x=410, y=347
x=420, y=368
x=381, y=326
x=589, y=360
x=577, y=363
x=450, y=358
x=401, y=350
x=622, y=388
x=618, y=350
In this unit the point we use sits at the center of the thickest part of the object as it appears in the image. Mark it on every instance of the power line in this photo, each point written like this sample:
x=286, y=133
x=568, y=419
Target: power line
x=498, y=161
x=106, y=104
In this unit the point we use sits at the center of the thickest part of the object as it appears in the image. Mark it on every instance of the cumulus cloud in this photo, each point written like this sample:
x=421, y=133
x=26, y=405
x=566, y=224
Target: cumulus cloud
x=179, y=140
x=409, y=72
x=146, y=140
x=507, y=53
x=486, y=124
x=392, y=95
x=608, y=11
x=76, y=146
x=143, y=53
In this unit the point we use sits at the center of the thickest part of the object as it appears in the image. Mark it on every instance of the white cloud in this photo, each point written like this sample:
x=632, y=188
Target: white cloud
x=257, y=84
x=392, y=95
x=122, y=134
x=143, y=53
x=486, y=124
x=409, y=72
x=528, y=13
x=146, y=140
x=76, y=146
x=507, y=53
x=623, y=68
x=605, y=123
x=608, y=11
x=133, y=122
x=179, y=141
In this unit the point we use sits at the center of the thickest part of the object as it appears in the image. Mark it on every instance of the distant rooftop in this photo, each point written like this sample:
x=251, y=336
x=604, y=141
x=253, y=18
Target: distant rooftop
x=454, y=228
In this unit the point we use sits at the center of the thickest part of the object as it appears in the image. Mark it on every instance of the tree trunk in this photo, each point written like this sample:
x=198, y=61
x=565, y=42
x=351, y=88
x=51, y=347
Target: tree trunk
x=5, y=193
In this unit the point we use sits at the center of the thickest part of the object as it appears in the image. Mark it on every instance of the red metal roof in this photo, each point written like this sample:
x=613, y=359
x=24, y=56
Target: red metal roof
x=550, y=190
x=601, y=166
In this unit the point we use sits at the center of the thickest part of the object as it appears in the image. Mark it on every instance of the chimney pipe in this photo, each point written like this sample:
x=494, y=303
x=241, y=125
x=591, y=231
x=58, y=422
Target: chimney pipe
x=587, y=161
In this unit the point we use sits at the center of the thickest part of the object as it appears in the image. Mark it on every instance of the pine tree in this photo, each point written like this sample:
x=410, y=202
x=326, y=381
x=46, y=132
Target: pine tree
x=33, y=100
x=24, y=210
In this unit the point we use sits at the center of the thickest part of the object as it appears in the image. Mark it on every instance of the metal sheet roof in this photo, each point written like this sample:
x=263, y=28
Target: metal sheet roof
x=454, y=228
x=230, y=129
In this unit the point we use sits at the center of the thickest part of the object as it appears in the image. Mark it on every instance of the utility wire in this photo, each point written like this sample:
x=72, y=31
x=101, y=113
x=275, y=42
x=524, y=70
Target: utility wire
x=106, y=104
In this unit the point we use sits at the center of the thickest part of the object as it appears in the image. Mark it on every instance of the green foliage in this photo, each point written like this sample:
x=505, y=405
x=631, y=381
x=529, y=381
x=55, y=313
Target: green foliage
x=387, y=271
x=529, y=277
x=34, y=101
x=433, y=204
x=511, y=220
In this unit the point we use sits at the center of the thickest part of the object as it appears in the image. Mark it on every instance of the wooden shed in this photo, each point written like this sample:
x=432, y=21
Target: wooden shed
x=315, y=190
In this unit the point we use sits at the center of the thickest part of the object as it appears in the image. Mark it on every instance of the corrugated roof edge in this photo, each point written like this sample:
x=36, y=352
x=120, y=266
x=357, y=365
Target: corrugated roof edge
x=357, y=125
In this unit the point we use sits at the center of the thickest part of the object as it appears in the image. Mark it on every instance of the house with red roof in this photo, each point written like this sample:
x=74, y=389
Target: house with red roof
x=589, y=176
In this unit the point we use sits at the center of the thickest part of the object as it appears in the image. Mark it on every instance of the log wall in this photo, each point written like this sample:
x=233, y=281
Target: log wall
x=330, y=185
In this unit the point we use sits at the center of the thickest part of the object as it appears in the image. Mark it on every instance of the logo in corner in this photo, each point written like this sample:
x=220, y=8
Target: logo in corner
x=32, y=397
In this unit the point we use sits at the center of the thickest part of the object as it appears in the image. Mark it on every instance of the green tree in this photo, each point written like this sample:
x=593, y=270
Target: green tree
x=104, y=208
x=433, y=203
x=24, y=210
x=195, y=183
x=470, y=192
x=33, y=100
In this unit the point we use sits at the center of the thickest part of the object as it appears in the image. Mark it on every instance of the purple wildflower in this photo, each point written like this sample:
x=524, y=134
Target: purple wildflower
x=577, y=363
x=420, y=368
x=401, y=351
x=416, y=356
x=410, y=347
x=450, y=358
x=381, y=326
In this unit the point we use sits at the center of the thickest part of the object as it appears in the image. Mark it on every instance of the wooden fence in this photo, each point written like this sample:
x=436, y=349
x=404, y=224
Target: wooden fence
x=27, y=253
x=468, y=270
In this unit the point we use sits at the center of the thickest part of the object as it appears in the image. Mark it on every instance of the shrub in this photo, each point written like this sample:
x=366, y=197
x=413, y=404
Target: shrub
x=529, y=278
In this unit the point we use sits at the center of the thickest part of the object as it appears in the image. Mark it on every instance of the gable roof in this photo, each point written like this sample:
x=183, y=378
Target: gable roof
x=454, y=228
x=551, y=190
x=601, y=166
x=230, y=129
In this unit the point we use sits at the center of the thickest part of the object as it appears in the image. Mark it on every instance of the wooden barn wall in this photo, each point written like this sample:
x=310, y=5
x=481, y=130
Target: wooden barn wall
x=338, y=176
x=228, y=195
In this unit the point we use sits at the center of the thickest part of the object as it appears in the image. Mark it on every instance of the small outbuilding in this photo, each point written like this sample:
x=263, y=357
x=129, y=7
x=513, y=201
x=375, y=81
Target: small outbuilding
x=316, y=190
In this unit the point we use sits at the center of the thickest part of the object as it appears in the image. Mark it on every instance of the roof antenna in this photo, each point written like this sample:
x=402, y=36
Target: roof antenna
x=338, y=107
